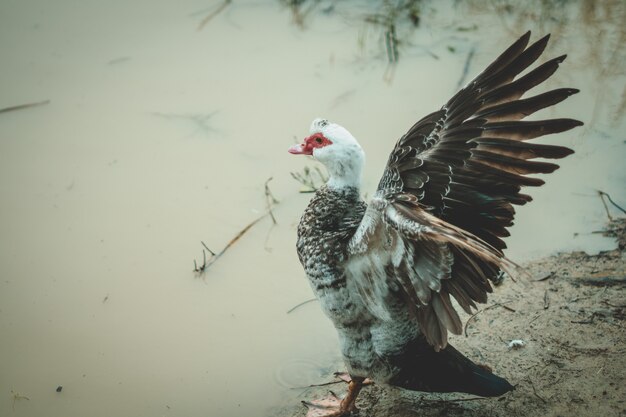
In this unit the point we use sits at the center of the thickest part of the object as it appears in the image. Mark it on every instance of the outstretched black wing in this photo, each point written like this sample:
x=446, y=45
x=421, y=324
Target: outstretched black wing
x=468, y=161
x=446, y=197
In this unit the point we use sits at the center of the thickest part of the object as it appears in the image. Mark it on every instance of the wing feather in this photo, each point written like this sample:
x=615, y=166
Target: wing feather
x=519, y=109
x=517, y=88
x=446, y=314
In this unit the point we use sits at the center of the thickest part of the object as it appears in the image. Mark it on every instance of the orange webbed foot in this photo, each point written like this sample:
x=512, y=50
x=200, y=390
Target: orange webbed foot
x=332, y=405
x=329, y=406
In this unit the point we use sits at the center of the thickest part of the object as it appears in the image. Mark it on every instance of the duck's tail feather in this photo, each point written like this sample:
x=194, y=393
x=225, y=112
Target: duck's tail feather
x=423, y=369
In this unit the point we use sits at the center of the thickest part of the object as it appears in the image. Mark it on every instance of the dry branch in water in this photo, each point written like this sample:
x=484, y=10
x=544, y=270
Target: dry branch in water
x=270, y=200
x=215, y=256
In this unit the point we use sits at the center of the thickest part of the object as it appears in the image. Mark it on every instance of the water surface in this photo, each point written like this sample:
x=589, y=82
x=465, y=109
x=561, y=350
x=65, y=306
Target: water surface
x=159, y=135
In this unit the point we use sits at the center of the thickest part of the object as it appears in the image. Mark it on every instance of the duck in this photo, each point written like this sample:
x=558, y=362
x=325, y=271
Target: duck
x=386, y=271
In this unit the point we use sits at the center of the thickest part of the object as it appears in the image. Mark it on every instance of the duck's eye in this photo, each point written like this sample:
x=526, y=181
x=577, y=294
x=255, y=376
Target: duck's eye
x=318, y=140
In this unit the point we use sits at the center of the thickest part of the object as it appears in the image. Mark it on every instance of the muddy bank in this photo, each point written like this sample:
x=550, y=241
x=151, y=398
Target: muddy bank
x=569, y=312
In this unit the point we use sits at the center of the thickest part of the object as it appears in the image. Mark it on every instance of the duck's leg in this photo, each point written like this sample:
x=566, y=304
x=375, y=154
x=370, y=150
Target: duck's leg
x=333, y=406
x=345, y=377
x=354, y=387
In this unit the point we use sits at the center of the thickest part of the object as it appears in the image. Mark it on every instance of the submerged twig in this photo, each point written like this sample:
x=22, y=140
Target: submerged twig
x=200, y=270
x=207, y=248
x=299, y=15
x=343, y=377
x=468, y=60
x=215, y=256
x=199, y=120
x=389, y=73
x=214, y=13
x=301, y=304
x=391, y=44
x=270, y=200
x=16, y=397
x=119, y=60
x=24, y=106
x=602, y=194
x=323, y=384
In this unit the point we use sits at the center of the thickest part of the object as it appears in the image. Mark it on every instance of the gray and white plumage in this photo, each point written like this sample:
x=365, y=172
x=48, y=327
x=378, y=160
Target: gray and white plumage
x=385, y=272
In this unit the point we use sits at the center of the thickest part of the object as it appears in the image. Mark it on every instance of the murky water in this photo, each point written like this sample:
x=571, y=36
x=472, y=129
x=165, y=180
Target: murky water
x=158, y=136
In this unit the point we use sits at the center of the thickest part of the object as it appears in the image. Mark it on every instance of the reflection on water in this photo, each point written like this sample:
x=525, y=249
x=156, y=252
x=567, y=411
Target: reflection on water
x=158, y=136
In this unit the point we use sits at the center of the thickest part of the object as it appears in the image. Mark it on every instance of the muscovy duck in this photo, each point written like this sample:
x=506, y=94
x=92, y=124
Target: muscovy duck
x=385, y=272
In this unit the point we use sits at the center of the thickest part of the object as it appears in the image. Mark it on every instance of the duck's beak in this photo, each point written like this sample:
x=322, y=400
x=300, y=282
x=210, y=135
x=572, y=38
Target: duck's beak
x=299, y=149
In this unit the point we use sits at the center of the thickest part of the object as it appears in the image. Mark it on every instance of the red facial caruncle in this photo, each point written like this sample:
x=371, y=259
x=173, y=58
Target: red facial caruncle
x=316, y=140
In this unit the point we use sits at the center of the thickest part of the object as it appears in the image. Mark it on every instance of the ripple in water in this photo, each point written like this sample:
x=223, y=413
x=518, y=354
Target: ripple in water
x=300, y=373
